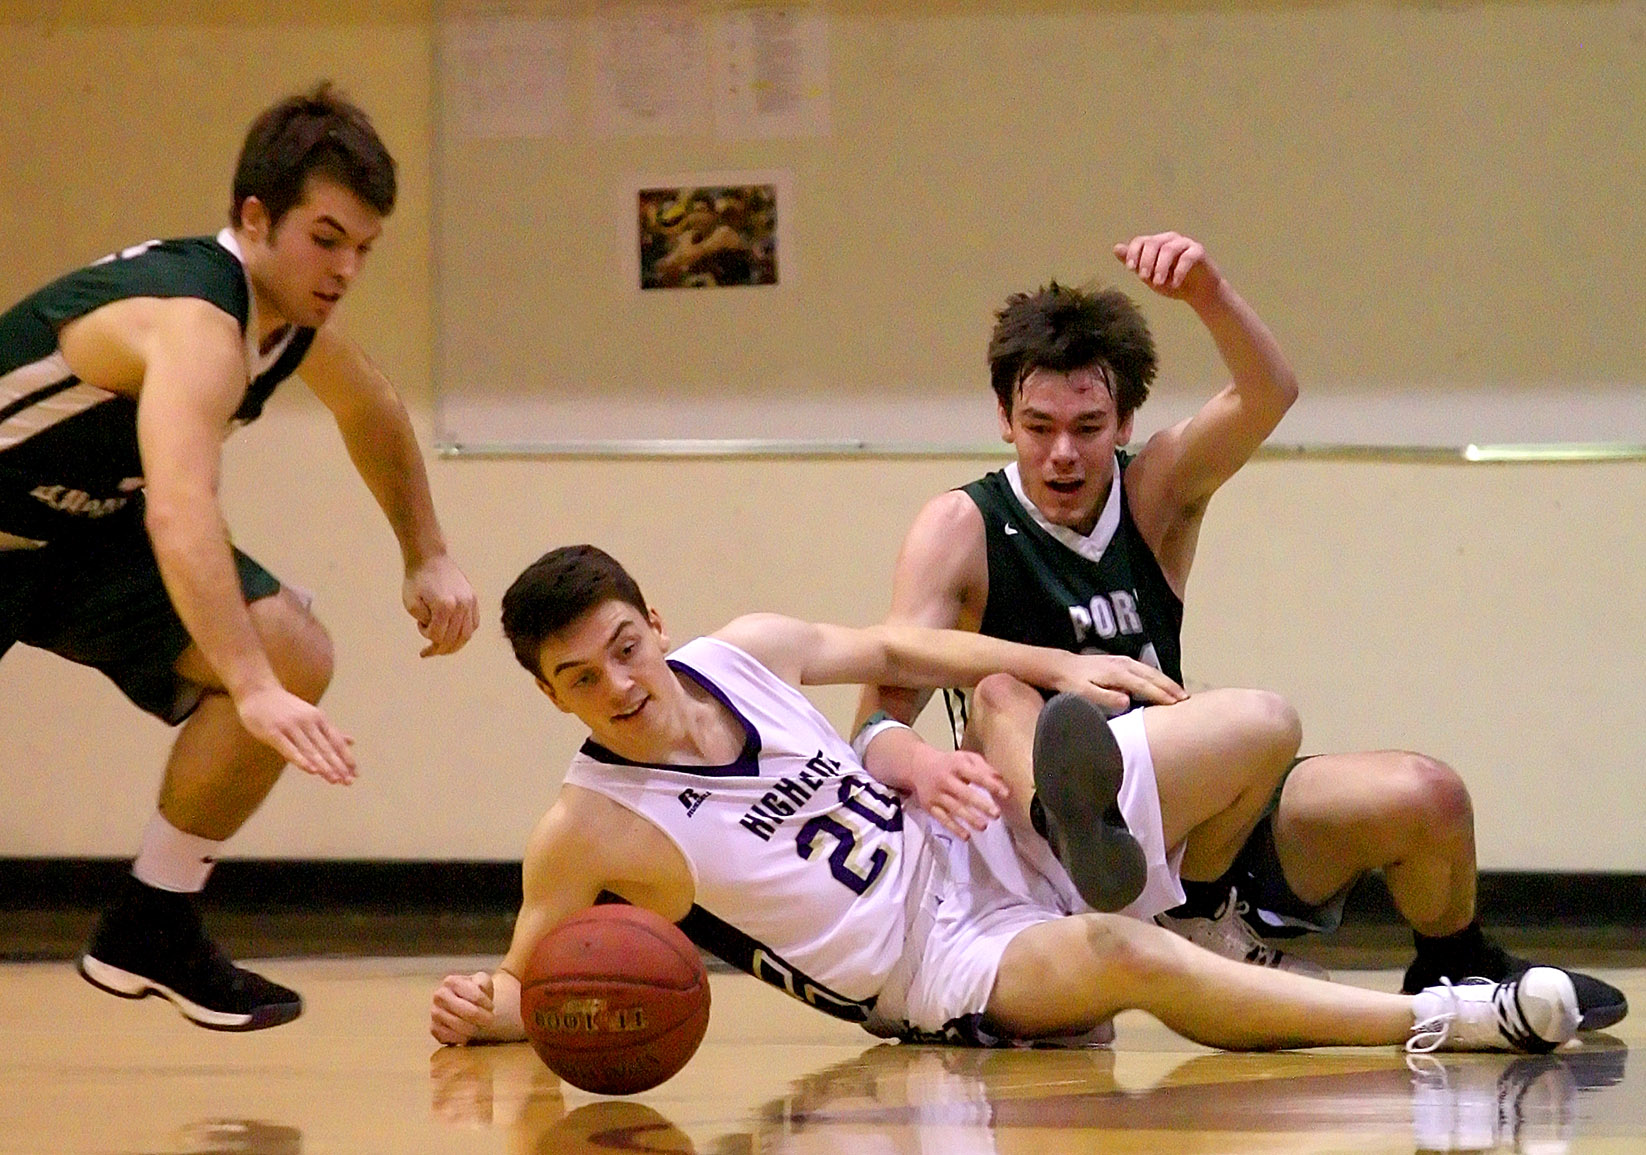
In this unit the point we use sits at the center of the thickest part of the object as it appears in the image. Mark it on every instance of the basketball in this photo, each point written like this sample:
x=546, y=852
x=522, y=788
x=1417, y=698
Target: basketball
x=615, y=1000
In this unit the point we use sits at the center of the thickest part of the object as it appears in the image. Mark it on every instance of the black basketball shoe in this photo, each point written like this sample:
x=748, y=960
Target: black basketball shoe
x=1077, y=772
x=151, y=942
x=1600, y=1003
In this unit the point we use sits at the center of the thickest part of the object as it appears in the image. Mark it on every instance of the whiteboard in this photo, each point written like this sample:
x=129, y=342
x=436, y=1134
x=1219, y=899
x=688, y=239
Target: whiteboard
x=1435, y=207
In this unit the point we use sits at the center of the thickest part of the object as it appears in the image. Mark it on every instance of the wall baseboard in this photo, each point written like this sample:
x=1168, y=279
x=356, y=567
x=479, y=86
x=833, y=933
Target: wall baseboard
x=378, y=886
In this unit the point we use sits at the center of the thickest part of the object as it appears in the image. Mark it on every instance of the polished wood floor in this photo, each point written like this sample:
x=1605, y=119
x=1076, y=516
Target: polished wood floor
x=88, y=1073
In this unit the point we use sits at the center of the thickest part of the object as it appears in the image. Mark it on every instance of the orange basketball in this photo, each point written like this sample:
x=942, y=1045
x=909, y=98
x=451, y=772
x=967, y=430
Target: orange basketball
x=615, y=1000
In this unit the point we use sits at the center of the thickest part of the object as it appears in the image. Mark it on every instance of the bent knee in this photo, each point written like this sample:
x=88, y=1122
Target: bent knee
x=298, y=646
x=1429, y=793
x=1002, y=694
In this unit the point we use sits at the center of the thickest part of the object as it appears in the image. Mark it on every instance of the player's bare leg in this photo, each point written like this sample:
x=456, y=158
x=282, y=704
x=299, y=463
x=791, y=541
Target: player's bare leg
x=1408, y=815
x=151, y=940
x=1070, y=973
x=218, y=774
x=1342, y=815
x=1217, y=757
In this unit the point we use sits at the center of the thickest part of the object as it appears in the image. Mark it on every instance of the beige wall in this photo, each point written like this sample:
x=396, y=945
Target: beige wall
x=1490, y=615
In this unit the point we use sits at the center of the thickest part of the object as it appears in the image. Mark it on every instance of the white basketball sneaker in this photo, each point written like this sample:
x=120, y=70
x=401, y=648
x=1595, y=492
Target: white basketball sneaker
x=1227, y=933
x=1534, y=1013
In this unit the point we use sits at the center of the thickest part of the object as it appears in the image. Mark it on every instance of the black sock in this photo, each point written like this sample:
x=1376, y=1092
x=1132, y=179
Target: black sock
x=1201, y=899
x=1467, y=953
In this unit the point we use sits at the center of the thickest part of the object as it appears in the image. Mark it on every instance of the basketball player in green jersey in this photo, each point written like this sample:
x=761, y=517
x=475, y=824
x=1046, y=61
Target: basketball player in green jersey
x=118, y=385
x=1079, y=545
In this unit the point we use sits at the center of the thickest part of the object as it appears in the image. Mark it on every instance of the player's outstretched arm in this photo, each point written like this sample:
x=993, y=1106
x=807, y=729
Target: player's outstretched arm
x=563, y=871
x=193, y=376
x=1184, y=465
x=818, y=654
x=383, y=447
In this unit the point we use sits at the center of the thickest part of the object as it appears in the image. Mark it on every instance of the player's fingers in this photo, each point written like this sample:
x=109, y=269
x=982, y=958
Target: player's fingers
x=947, y=820
x=968, y=811
x=976, y=802
x=448, y=1028
x=470, y=622
x=1147, y=256
x=1112, y=701
x=1187, y=259
x=1131, y=252
x=443, y=624
x=981, y=774
x=325, y=751
x=1152, y=684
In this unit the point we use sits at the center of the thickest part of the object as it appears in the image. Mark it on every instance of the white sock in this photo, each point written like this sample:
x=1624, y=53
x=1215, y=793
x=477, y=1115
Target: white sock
x=173, y=860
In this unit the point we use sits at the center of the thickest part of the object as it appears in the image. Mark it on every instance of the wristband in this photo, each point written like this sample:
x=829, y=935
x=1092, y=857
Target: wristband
x=877, y=723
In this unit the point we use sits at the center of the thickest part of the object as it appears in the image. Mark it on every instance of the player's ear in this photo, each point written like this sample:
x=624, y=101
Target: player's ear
x=1123, y=436
x=1006, y=434
x=548, y=691
x=655, y=621
x=254, y=219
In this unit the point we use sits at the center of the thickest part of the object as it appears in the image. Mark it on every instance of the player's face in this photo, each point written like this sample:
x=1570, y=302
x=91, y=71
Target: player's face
x=303, y=266
x=1065, y=428
x=608, y=669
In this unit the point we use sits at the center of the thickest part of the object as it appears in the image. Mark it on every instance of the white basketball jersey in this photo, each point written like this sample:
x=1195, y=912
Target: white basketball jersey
x=793, y=846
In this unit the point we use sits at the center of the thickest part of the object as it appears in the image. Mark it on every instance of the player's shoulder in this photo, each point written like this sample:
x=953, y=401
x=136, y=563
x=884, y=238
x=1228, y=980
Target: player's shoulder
x=946, y=543
x=178, y=272
x=760, y=638
x=576, y=826
x=952, y=512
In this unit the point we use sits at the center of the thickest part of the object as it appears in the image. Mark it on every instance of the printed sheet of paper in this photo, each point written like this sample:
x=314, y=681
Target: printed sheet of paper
x=651, y=71
x=506, y=77
x=772, y=73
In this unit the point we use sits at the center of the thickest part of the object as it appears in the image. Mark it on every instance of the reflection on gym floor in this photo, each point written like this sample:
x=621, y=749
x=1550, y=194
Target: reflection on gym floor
x=359, y=1074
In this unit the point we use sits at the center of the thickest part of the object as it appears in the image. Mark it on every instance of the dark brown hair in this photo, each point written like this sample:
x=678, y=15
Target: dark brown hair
x=555, y=591
x=315, y=133
x=1064, y=329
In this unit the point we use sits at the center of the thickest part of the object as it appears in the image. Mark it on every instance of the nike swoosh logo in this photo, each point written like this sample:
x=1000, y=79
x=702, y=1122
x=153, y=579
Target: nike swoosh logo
x=1011, y=530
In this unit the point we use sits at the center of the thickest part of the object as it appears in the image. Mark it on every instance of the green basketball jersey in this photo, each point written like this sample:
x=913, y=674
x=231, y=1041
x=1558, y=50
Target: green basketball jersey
x=1104, y=594
x=68, y=450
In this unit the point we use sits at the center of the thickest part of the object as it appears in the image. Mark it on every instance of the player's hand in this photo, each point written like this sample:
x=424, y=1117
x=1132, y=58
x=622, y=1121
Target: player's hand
x=958, y=788
x=1114, y=682
x=300, y=732
x=440, y=598
x=462, y=1008
x=1171, y=264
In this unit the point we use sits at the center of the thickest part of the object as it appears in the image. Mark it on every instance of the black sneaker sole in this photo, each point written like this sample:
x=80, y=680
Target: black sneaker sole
x=1598, y=1018
x=1078, y=768
x=129, y=985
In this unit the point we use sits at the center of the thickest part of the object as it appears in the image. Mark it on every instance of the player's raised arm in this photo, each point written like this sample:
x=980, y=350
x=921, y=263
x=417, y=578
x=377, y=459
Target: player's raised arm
x=1181, y=467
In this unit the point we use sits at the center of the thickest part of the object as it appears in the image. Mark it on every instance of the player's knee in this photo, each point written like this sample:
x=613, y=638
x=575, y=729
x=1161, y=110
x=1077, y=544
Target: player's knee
x=1268, y=724
x=1000, y=694
x=1433, y=796
x=1126, y=953
x=299, y=648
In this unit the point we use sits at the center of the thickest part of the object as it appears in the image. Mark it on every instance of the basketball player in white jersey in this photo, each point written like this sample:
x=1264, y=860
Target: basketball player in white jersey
x=711, y=792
